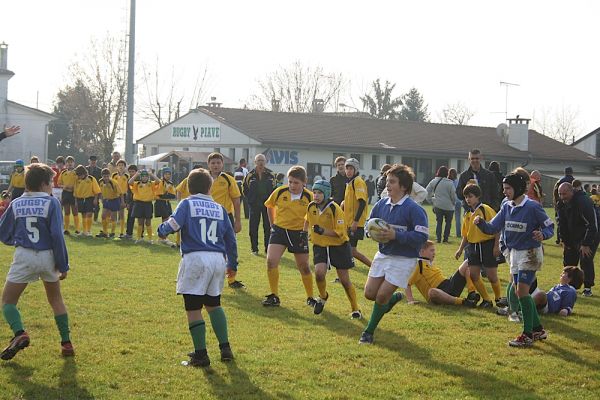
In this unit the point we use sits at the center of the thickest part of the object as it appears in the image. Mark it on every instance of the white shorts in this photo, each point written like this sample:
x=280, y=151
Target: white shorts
x=30, y=265
x=57, y=192
x=395, y=269
x=201, y=273
x=526, y=260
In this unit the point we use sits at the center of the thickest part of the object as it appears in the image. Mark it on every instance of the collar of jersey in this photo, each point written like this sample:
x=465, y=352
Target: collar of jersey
x=34, y=194
x=321, y=211
x=201, y=196
x=473, y=210
x=521, y=204
x=399, y=203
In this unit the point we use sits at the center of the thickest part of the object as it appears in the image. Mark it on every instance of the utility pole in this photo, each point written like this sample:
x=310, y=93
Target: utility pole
x=506, y=85
x=130, y=155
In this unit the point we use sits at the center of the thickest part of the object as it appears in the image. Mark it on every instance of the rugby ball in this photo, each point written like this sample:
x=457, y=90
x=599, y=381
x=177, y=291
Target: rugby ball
x=374, y=226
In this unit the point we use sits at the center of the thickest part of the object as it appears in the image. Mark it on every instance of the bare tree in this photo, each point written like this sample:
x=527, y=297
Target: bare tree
x=456, y=114
x=164, y=99
x=297, y=87
x=104, y=73
x=559, y=124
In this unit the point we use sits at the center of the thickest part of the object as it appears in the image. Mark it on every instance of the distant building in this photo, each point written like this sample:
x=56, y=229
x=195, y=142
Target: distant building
x=33, y=139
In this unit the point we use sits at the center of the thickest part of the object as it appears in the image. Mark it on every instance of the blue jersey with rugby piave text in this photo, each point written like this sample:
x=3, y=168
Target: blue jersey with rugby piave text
x=409, y=220
x=204, y=226
x=34, y=221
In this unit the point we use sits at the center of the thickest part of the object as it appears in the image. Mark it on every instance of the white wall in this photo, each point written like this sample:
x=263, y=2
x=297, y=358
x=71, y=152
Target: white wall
x=33, y=139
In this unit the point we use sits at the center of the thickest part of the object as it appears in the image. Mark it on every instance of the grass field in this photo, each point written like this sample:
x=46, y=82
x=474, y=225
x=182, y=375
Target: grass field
x=130, y=334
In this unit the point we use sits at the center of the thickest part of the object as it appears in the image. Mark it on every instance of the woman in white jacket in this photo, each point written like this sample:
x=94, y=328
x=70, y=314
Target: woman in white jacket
x=441, y=193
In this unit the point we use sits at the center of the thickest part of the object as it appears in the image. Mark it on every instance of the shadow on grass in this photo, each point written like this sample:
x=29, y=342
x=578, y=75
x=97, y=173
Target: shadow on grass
x=68, y=386
x=479, y=384
x=569, y=356
x=240, y=384
x=556, y=324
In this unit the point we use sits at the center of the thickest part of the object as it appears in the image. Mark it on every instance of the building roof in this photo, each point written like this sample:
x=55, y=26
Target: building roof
x=595, y=131
x=31, y=109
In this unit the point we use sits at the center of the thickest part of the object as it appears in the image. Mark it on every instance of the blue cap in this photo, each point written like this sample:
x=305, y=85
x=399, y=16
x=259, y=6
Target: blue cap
x=322, y=186
x=19, y=163
x=167, y=169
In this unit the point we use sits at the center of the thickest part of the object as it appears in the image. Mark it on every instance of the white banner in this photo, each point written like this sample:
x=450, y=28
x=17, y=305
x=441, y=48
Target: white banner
x=196, y=133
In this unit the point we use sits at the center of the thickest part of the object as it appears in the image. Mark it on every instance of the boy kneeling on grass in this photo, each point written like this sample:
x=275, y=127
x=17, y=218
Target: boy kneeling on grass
x=561, y=298
x=434, y=287
x=208, y=244
x=33, y=224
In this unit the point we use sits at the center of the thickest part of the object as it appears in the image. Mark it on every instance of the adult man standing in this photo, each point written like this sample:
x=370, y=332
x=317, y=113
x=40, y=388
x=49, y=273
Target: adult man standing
x=578, y=231
x=112, y=165
x=338, y=182
x=239, y=174
x=370, y=188
x=96, y=172
x=257, y=188
x=482, y=177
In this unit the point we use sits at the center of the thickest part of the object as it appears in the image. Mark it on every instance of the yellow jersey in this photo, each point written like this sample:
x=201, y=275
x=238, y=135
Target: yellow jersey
x=356, y=190
x=425, y=277
x=595, y=199
x=331, y=217
x=290, y=210
x=165, y=190
x=110, y=190
x=223, y=190
x=86, y=187
x=472, y=232
x=121, y=181
x=17, y=180
x=67, y=179
x=143, y=191
x=183, y=189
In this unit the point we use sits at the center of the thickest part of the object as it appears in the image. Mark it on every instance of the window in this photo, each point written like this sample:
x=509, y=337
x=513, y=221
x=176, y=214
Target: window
x=232, y=153
x=460, y=166
x=375, y=162
x=217, y=150
x=186, y=149
x=153, y=150
x=246, y=154
x=440, y=162
x=358, y=157
x=389, y=160
x=409, y=161
x=425, y=170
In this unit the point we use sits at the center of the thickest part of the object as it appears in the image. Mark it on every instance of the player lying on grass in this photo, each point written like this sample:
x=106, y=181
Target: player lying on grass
x=434, y=287
x=561, y=298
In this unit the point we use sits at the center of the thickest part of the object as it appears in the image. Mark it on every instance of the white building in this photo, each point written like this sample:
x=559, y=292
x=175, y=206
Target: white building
x=33, y=139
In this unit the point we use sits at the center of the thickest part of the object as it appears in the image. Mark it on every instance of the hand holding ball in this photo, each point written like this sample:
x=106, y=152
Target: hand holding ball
x=375, y=228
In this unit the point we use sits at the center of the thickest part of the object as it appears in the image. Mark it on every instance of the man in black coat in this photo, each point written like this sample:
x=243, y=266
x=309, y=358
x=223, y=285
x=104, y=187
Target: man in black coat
x=484, y=178
x=338, y=182
x=578, y=231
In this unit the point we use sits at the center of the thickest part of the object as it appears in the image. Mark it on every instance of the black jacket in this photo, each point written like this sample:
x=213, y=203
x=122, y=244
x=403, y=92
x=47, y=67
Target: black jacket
x=577, y=221
x=338, y=187
x=380, y=183
x=96, y=172
x=486, y=181
x=257, y=190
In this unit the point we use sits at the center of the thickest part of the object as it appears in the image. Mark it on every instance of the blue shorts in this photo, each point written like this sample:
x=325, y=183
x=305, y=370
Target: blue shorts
x=524, y=276
x=85, y=205
x=112, y=204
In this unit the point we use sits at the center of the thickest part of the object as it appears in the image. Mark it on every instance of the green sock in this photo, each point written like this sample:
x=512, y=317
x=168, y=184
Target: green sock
x=62, y=322
x=527, y=307
x=376, y=315
x=536, y=317
x=219, y=324
x=198, y=332
x=513, y=300
x=12, y=316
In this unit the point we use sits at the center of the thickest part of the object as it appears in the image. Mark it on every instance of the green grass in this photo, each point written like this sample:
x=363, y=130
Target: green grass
x=130, y=333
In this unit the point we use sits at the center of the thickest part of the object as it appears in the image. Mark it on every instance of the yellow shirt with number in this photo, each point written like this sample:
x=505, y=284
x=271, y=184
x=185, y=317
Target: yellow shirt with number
x=17, y=179
x=356, y=190
x=425, y=277
x=183, y=189
x=470, y=231
x=290, y=210
x=143, y=191
x=331, y=217
x=223, y=190
x=86, y=187
x=67, y=179
x=121, y=181
x=110, y=190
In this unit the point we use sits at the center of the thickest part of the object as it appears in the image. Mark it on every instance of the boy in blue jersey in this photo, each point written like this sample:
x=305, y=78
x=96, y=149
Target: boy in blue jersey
x=33, y=224
x=561, y=298
x=525, y=225
x=208, y=245
x=399, y=245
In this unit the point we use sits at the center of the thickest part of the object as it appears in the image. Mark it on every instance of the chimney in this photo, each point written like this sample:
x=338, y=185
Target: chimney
x=318, y=106
x=5, y=75
x=275, y=105
x=213, y=103
x=518, y=133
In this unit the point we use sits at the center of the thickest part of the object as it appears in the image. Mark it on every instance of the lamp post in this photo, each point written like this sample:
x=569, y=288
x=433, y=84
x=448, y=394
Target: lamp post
x=506, y=85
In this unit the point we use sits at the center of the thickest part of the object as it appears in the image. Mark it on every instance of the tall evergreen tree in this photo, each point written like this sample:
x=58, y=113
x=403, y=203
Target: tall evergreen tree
x=414, y=107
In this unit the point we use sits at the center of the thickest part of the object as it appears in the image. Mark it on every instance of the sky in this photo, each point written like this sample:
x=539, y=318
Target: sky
x=451, y=51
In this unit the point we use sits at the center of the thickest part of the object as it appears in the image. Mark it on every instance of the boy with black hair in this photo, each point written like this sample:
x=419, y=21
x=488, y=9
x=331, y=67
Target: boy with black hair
x=131, y=171
x=67, y=181
x=122, y=178
x=207, y=245
x=59, y=165
x=286, y=208
x=525, y=225
x=561, y=298
x=86, y=193
x=16, y=185
x=225, y=191
x=481, y=249
x=355, y=207
x=143, y=194
x=33, y=224
x=112, y=201
x=325, y=221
